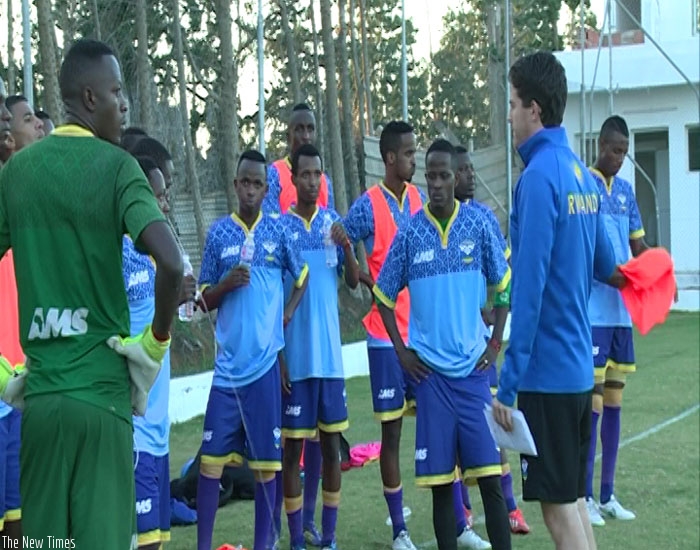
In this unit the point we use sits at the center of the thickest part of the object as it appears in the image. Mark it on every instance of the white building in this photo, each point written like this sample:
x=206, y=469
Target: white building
x=633, y=79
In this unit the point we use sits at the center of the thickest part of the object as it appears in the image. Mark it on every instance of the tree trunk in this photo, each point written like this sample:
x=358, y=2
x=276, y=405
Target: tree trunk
x=143, y=69
x=365, y=66
x=51, y=94
x=496, y=76
x=288, y=35
x=341, y=201
x=227, y=101
x=353, y=185
x=320, y=101
x=189, y=149
x=356, y=71
x=96, y=17
x=11, y=75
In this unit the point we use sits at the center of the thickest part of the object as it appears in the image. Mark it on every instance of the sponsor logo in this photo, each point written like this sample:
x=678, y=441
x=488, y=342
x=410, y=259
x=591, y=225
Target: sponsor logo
x=55, y=323
x=143, y=507
x=138, y=278
x=424, y=256
x=421, y=454
x=386, y=393
x=231, y=251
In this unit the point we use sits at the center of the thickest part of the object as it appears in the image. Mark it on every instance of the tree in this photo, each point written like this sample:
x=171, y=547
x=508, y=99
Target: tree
x=291, y=52
x=341, y=201
x=353, y=189
x=366, y=66
x=189, y=148
x=143, y=68
x=11, y=76
x=320, y=103
x=47, y=51
x=359, y=89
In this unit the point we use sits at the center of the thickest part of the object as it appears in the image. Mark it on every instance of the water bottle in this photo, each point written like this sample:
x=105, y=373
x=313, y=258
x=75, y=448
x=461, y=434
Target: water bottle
x=186, y=311
x=328, y=244
x=248, y=250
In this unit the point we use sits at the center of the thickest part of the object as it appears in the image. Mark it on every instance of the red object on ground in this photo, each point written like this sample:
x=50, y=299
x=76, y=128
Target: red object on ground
x=362, y=454
x=651, y=285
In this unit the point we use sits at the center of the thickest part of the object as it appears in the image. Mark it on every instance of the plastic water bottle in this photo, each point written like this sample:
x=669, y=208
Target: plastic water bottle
x=186, y=311
x=328, y=244
x=248, y=250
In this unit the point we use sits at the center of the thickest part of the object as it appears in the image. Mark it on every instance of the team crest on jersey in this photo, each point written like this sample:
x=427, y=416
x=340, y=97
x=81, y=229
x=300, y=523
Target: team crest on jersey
x=270, y=248
x=295, y=236
x=467, y=247
x=577, y=172
x=622, y=200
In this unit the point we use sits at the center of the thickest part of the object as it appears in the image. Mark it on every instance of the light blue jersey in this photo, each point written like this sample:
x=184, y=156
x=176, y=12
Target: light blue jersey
x=151, y=431
x=5, y=409
x=444, y=272
x=312, y=338
x=620, y=214
x=249, y=330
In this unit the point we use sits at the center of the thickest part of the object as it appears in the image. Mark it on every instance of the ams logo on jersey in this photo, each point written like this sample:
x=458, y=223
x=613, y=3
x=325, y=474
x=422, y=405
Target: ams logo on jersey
x=138, y=278
x=230, y=251
x=143, y=507
x=55, y=323
x=424, y=256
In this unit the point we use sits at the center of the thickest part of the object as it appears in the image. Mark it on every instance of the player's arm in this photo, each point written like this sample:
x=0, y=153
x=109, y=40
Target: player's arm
x=637, y=244
x=212, y=285
x=359, y=225
x=158, y=240
x=350, y=265
x=537, y=208
x=294, y=263
x=393, y=277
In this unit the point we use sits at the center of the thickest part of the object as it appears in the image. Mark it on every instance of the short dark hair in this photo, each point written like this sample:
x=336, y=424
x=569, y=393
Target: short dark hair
x=461, y=149
x=253, y=155
x=540, y=77
x=147, y=164
x=301, y=107
x=134, y=131
x=151, y=147
x=11, y=101
x=42, y=115
x=443, y=146
x=390, y=139
x=78, y=62
x=306, y=150
x=612, y=125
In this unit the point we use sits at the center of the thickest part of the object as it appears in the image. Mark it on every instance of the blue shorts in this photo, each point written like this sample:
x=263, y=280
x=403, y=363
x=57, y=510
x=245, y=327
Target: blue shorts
x=152, y=476
x=451, y=430
x=9, y=467
x=315, y=403
x=245, y=421
x=393, y=391
x=613, y=348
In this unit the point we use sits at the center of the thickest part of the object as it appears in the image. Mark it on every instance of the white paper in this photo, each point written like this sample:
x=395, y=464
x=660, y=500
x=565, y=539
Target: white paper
x=520, y=439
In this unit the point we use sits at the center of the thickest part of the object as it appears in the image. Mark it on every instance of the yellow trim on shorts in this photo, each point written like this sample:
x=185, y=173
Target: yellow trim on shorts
x=472, y=474
x=301, y=433
x=334, y=428
x=494, y=391
x=622, y=367
x=13, y=515
x=434, y=480
x=231, y=458
x=265, y=465
x=388, y=416
x=150, y=537
x=165, y=536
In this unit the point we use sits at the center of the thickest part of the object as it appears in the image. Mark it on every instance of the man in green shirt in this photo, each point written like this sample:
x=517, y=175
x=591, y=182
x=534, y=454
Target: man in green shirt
x=65, y=204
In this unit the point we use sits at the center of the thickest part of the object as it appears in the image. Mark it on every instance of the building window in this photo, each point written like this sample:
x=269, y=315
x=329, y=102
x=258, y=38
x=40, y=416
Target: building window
x=696, y=16
x=694, y=149
x=591, y=150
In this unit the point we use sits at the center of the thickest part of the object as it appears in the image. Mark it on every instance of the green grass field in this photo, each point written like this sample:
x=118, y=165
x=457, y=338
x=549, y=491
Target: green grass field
x=657, y=474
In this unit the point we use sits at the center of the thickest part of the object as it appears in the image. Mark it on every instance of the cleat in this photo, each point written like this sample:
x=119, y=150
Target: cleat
x=311, y=535
x=331, y=546
x=469, y=517
x=594, y=513
x=470, y=540
x=403, y=542
x=518, y=525
x=614, y=509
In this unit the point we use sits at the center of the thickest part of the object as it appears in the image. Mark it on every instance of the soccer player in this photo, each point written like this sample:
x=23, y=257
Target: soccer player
x=374, y=219
x=10, y=351
x=249, y=295
x=151, y=431
x=26, y=127
x=496, y=317
x=613, y=346
x=559, y=243
x=314, y=384
x=46, y=121
x=442, y=256
x=281, y=194
x=79, y=193
x=151, y=147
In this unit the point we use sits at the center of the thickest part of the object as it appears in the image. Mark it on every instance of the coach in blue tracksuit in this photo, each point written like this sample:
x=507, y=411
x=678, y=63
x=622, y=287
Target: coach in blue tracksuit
x=558, y=246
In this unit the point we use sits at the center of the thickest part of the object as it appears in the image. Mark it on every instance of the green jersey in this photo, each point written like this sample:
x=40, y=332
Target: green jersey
x=65, y=203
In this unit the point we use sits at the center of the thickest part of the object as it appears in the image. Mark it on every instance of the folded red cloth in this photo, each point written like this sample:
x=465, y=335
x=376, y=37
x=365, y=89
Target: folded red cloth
x=650, y=288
